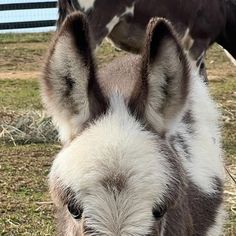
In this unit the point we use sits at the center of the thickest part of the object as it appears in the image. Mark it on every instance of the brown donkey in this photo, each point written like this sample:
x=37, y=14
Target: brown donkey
x=199, y=23
x=142, y=153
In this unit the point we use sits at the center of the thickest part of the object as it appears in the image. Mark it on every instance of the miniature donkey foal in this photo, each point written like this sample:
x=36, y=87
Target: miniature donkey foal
x=141, y=152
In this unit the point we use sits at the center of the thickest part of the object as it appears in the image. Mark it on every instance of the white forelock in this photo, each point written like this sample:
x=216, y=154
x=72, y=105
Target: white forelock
x=116, y=141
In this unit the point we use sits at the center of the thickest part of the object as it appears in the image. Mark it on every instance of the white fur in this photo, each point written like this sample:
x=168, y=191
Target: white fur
x=206, y=160
x=217, y=228
x=120, y=143
x=114, y=21
x=129, y=10
x=187, y=40
x=86, y=4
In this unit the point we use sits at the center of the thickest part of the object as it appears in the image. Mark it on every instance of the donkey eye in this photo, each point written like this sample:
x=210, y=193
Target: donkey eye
x=159, y=211
x=74, y=210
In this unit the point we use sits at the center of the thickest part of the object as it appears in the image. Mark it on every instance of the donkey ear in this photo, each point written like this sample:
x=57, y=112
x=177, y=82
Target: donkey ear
x=165, y=73
x=70, y=90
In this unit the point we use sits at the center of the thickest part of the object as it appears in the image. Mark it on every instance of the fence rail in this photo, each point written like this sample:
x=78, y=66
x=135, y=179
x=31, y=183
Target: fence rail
x=27, y=6
x=27, y=24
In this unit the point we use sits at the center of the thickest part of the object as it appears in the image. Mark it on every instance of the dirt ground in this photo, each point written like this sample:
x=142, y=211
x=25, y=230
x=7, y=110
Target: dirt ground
x=25, y=205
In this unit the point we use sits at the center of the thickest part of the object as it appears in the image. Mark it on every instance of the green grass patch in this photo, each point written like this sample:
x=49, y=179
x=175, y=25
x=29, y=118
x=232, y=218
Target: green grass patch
x=22, y=57
x=25, y=38
x=23, y=52
x=19, y=94
x=27, y=52
x=224, y=90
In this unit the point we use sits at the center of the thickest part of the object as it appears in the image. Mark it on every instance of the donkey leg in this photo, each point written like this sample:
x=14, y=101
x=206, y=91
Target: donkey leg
x=197, y=54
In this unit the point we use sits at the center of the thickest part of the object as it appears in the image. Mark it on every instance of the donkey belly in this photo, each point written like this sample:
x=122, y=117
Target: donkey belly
x=128, y=36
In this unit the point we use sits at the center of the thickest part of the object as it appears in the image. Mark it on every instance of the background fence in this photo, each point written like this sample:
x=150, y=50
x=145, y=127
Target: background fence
x=27, y=15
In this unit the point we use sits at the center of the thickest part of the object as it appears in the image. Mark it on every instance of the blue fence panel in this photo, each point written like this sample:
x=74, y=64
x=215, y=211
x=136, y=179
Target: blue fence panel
x=27, y=16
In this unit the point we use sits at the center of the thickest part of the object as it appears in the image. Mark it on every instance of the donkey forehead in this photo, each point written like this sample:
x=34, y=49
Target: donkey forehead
x=114, y=152
x=122, y=75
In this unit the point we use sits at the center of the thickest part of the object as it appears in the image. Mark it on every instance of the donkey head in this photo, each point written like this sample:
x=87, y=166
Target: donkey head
x=116, y=174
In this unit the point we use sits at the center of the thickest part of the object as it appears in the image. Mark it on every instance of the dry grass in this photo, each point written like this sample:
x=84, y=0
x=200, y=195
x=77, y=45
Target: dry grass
x=26, y=127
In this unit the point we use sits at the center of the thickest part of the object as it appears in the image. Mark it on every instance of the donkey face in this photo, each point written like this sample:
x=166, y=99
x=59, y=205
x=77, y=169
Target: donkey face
x=114, y=180
x=116, y=174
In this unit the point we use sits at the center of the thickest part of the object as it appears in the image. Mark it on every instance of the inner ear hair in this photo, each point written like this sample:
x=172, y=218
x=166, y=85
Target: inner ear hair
x=165, y=72
x=76, y=26
x=69, y=84
x=161, y=34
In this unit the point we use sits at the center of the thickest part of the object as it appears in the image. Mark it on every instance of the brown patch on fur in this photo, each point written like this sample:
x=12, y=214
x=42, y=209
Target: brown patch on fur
x=179, y=141
x=178, y=184
x=123, y=76
x=204, y=207
x=195, y=212
x=189, y=120
x=114, y=182
x=178, y=218
x=120, y=76
x=190, y=211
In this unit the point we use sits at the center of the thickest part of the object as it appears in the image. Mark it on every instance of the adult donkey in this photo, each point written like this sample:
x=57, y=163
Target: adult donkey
x=200, y=23
x=143, y=159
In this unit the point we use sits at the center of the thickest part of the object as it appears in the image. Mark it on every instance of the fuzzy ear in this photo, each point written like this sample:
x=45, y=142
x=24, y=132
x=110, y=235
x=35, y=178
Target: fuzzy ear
x=70, y=90
x=165, y=73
